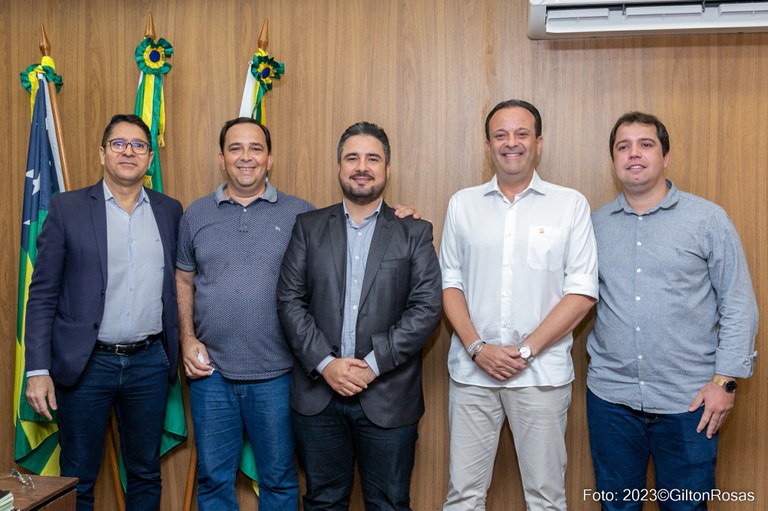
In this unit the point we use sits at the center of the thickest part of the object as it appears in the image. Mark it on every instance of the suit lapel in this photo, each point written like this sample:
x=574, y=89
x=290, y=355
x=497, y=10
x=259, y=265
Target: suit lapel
x=338, y=240
x=381, y=236
x=99, y=219
x=156, y=201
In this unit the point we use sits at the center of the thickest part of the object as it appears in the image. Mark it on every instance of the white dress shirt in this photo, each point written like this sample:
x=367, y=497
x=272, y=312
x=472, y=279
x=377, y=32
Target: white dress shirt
x=514, y=262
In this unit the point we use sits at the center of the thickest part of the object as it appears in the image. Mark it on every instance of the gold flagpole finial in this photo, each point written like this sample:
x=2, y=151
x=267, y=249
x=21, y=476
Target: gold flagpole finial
x=45, y=44
x=264, y=35
x=149, y=31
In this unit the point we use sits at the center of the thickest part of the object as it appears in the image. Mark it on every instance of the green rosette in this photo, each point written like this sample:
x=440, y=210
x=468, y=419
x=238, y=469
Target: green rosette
x=151, y=56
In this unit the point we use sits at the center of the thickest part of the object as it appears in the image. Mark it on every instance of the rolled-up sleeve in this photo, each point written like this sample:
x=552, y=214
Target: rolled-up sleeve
x=450, y=260
x=581, y=255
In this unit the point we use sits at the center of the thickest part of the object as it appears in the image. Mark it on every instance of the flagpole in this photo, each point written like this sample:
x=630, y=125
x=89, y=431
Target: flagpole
x=45, y=49
x=190, y=479
x=111, y=445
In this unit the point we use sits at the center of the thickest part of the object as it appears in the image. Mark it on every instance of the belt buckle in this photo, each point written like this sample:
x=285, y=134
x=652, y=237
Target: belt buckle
x=122, y=350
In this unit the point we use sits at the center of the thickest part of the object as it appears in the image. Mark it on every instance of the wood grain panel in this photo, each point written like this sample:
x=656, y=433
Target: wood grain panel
x=428, y=72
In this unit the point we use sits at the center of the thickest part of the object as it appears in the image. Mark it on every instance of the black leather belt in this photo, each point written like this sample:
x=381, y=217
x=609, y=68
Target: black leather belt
x=128, y=349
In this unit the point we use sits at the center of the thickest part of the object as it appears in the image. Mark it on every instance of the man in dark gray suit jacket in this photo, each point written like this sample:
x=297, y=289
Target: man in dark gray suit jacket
x=358, y=297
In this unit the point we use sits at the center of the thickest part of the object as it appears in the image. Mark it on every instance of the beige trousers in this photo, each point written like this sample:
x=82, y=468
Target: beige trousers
x=537, y=418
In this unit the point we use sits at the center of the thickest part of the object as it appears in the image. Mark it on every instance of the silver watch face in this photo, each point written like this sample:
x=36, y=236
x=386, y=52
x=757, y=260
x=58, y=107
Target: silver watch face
x=525, y=352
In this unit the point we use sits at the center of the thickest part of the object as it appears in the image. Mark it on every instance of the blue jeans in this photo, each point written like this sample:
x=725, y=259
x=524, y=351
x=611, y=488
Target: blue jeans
x=622, y=440
x=137, y=386
x=329, y=442
x=221, y=410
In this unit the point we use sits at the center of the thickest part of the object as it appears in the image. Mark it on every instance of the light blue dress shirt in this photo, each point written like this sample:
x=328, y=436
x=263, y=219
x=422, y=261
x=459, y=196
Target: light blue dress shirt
x=133, y=305
x=358, y=245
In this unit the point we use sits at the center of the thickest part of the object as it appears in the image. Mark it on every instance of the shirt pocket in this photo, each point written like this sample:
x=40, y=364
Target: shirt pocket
x=546, y=247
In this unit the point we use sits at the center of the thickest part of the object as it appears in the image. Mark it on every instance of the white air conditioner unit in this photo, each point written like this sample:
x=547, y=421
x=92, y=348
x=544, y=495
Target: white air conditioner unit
x=559, y=19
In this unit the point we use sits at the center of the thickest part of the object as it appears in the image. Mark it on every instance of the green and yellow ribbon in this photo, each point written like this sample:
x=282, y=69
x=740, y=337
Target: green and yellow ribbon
x=262, y=70
x=150, y=102
x=30, y=81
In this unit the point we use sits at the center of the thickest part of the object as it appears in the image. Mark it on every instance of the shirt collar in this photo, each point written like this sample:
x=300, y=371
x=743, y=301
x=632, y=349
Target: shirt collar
x=536, y=185
x=366, y=219
x=269, y=195
x=143, y=197
x=669, y=201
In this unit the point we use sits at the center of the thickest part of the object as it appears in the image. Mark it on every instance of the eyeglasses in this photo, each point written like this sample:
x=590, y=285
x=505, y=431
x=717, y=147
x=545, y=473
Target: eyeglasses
x=24, y=479
x=119, y=146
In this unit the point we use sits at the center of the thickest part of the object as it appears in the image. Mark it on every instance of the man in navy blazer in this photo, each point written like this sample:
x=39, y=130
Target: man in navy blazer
x=102, y=320
x=358, y=297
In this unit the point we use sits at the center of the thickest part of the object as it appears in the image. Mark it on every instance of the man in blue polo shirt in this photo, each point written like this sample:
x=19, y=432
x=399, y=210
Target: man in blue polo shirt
x=231, y=243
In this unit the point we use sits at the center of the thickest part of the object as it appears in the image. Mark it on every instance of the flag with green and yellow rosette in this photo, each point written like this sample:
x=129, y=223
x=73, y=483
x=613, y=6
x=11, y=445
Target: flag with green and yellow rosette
x=261, y=70
x=151, y=57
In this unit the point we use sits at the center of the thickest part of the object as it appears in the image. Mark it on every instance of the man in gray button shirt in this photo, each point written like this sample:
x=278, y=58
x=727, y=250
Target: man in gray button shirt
x=675, y=327
x=102, y=319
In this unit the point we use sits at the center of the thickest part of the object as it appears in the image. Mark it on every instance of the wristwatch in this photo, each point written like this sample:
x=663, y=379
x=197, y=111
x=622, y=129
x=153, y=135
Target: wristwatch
x=525, y=352
x=728, y=385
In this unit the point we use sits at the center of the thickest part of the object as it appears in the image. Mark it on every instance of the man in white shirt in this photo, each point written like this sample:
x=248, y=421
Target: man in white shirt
x=519, y=269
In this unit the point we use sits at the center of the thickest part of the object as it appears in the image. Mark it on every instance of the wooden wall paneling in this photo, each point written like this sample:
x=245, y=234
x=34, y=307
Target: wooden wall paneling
x=9, y=222
x=428, y=72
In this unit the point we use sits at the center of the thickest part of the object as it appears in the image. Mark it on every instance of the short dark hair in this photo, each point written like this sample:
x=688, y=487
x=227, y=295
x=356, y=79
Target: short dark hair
x=365, y=128
x=513, y=103
x=127, y=118
x=646, y=120
x=244, y=120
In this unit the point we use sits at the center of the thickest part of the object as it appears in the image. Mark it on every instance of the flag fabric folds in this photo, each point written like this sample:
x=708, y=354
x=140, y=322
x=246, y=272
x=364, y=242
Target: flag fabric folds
x=150, y=102
x=36, y=446
x=150, y=106
x=258, y=81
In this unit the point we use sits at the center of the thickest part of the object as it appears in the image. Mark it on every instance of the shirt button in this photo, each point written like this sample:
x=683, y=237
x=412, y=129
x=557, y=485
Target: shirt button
x=354, y=307
x=642, y=382
x=639, y=357
x=637, y=298
x=359, y=233
x=639, y=243
x=640, y=218
x=637, y=329
x=245, y=210
x=638, y=270
x=357, y=257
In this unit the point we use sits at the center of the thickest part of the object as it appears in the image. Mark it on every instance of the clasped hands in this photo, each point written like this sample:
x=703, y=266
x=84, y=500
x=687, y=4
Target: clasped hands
x=348, y=376
x=500, y=362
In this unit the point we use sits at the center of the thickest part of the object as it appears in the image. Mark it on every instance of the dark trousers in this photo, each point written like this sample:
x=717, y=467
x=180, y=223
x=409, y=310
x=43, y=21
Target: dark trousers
x=137, y=386
x=328, y=444
x=622, y=440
